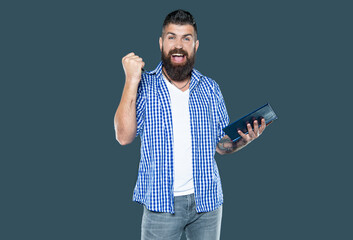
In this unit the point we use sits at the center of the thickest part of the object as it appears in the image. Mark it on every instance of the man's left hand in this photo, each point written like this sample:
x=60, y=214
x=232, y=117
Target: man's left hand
x=226, y=145
x=253, y=132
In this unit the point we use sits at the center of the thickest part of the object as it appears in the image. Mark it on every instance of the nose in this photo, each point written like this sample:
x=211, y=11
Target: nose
x=179, y=44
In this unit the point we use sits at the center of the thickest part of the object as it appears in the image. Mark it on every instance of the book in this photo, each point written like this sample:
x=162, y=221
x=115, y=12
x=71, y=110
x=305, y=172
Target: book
x=265, y=111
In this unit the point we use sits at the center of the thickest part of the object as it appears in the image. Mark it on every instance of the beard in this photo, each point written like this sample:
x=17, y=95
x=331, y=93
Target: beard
x=178, y=72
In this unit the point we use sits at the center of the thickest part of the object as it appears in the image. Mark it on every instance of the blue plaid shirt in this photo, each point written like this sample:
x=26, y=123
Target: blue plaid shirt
x=208, y=116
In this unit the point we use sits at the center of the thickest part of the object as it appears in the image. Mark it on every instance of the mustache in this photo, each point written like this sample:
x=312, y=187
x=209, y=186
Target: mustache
x=177, y=51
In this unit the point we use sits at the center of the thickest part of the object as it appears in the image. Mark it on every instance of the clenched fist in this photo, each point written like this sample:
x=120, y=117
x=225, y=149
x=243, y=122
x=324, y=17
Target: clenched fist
x=133, y=65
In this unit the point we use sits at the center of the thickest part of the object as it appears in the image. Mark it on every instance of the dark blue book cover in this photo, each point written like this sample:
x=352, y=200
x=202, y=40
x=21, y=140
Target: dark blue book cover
x=265, y=111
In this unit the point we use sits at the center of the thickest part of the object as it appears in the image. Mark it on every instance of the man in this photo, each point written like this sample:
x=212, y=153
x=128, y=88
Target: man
x=179, y=114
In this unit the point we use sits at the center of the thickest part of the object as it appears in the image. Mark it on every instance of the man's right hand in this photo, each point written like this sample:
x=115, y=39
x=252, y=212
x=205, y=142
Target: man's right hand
x=133, y=65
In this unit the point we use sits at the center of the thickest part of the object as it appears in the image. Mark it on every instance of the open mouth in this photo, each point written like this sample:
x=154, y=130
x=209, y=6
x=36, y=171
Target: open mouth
x=178, y=57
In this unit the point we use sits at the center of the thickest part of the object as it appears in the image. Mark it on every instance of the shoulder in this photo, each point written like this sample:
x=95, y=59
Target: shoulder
x=149, y=77
x=207, y=82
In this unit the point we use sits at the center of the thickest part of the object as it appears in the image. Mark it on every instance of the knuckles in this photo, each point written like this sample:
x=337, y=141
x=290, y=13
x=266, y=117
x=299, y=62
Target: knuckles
x=132, y=60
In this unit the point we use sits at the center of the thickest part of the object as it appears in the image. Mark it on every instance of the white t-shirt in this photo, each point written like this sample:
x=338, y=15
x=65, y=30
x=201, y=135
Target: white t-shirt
x=183, y=173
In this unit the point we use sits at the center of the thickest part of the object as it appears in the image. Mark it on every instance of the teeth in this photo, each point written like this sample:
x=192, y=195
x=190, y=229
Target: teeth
x=177, y=54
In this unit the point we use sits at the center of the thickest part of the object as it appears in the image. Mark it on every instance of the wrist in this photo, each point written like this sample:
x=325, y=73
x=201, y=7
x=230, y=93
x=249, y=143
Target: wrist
x=133, y=79
x=132, y=82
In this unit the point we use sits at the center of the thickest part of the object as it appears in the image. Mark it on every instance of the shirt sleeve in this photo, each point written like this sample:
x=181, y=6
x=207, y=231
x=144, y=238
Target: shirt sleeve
x=222, y=114
x=140, y=106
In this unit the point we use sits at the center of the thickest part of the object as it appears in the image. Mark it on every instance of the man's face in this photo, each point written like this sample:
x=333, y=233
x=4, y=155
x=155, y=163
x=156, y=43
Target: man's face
x=178, y=45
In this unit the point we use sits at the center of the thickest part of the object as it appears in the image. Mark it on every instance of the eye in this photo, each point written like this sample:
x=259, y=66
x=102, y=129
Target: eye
x=171, y=37
x=187, y=38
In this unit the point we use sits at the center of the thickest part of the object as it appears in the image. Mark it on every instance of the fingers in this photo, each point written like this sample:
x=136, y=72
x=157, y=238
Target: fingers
x=135, y=57
x=263, y=126
x=251, y=131
x=131, y=57
x=128, y=56
x=243, y=135
x=256, y=128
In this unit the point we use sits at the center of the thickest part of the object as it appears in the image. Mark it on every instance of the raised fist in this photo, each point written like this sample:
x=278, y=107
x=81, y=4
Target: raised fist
x=133, y=65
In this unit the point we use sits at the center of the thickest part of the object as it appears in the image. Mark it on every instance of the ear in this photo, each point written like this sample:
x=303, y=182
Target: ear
x=196, y=45
x=160, y=43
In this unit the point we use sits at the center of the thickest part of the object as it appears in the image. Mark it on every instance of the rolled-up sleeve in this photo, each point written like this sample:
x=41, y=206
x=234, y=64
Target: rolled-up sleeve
x=222, y=114
x=140, y=106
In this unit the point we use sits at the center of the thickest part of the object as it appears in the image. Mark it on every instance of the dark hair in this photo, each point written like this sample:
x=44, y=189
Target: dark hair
x=180, y=17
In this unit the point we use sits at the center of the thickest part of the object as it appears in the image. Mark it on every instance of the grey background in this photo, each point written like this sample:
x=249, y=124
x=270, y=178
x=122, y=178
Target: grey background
x=64, y=176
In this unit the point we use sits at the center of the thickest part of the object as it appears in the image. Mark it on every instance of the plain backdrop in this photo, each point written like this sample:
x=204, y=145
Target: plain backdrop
x=63, y=174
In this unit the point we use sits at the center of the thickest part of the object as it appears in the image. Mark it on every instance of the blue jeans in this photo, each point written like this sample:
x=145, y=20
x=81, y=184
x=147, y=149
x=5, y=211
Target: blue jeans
x=167, y=226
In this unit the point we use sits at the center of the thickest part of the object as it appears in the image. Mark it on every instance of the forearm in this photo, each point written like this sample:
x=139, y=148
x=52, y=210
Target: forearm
x=125, y=117
x=227, y=146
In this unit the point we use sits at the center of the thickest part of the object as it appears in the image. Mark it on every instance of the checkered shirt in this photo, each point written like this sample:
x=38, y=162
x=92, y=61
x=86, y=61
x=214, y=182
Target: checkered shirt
x=208, y=116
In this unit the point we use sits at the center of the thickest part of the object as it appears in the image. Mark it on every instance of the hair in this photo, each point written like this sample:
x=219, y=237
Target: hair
x=180, y=17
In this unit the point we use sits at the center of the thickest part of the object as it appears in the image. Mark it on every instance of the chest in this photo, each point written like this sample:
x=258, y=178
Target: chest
x=200, y=105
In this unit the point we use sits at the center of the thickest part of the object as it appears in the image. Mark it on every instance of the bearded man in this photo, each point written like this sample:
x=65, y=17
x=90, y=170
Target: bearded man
x=179, y=115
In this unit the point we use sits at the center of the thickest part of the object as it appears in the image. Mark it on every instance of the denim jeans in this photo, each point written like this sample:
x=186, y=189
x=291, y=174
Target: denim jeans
x=167, y=226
